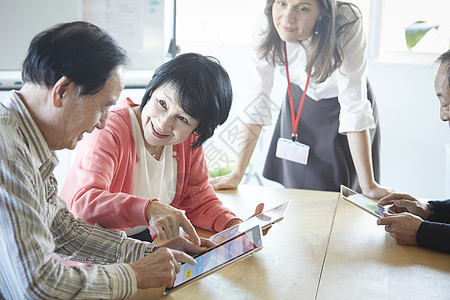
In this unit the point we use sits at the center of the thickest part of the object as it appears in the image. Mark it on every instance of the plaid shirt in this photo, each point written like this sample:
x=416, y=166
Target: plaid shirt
x=35, y=225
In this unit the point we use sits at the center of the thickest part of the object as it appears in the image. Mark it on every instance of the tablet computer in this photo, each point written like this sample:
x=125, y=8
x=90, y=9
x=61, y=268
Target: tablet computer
x=219, y=256
x=363, y=202
x=265, y=220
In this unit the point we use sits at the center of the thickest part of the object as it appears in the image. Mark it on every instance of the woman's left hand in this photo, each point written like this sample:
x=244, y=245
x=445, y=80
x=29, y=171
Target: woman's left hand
x=258, y=210
x=378, y=192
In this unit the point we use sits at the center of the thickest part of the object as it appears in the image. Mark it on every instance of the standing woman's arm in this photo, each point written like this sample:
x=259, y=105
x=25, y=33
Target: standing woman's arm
x=257, y=109
x=356, y=116
x=360, y=148
x=248, y=136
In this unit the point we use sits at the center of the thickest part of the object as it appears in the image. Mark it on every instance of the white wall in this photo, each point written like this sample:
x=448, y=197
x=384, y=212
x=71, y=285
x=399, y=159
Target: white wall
x=414, y=139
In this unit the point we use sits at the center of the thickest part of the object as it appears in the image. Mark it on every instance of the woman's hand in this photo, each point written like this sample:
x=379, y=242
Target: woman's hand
x=258, y=210
x=167, y=220
x=248, y=136
x=182, y=244
x=377, y=191
x=226, y=182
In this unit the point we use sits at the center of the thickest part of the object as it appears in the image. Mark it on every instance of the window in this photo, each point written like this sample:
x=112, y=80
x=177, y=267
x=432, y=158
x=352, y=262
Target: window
x=397, y=15
x=215, y=22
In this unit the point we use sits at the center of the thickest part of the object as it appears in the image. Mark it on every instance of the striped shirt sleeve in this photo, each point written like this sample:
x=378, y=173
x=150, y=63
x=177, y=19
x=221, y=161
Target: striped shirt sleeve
x=35, y=226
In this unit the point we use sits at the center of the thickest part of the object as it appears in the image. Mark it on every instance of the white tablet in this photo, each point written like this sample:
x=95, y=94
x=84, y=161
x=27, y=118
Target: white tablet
x=265, y=220
x=217, y=257
x=363, y=202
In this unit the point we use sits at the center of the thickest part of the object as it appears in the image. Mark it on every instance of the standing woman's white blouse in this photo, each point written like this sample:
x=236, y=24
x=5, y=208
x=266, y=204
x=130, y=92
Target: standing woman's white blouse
x=348, y=82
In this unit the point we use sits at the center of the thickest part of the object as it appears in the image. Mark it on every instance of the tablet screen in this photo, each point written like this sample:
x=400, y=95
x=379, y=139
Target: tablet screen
x=219, y=256
x=363, y=202
x=265, y=219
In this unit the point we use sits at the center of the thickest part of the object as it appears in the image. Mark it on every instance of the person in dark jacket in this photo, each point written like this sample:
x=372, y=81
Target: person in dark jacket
x=420, y=223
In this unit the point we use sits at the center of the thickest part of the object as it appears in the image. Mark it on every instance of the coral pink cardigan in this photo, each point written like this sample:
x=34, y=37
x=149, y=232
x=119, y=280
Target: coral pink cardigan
x=99, y=185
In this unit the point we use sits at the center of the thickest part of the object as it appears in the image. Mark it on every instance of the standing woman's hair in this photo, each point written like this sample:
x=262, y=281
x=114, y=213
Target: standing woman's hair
x=325, y=54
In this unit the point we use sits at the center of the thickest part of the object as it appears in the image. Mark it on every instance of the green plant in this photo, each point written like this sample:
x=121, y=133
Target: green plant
x=220, y=172
x=416, y=31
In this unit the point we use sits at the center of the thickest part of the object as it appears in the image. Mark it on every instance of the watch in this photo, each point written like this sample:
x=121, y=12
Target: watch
x=149, y=249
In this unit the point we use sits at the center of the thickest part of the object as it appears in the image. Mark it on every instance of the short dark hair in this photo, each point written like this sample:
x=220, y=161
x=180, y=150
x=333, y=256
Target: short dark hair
x=444, y=58
x=81, y=51
x=203, y=88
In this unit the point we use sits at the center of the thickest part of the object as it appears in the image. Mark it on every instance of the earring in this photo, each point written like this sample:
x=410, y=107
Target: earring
x=316, y=32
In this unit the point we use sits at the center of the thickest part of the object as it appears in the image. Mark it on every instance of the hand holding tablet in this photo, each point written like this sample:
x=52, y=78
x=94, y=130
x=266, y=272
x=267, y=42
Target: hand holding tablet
x=215, y=258
x=363, y=202
x=266, y=219
x=233, y=244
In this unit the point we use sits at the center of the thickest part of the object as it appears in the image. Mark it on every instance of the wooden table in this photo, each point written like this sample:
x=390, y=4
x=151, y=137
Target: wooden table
x=365, y=262
x=325, y=248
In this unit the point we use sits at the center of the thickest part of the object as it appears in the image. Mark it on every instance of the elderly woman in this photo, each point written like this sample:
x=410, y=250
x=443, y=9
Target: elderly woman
x=147, y=166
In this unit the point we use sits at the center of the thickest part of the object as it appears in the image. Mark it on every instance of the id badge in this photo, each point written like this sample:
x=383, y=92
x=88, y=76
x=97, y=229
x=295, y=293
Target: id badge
x=293, y=151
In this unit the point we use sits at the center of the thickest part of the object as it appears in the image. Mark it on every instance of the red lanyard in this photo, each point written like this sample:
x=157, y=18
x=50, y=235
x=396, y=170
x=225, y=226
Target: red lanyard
x=295, y=120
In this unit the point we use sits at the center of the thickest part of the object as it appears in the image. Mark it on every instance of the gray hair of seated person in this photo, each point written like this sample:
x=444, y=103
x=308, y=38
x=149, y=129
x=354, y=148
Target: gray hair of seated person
x=444, y=59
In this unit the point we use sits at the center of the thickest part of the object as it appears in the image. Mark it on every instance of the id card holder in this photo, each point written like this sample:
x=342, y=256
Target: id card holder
x=293, y=151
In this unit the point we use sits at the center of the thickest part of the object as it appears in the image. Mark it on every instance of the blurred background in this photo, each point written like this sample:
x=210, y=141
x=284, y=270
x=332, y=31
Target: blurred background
x=415, y=144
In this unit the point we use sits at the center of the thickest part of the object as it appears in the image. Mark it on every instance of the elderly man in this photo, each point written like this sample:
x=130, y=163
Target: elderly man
x=423, y=224
x=72, y=75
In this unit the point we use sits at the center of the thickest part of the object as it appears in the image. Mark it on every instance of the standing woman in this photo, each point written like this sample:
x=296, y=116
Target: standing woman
x=327, y=133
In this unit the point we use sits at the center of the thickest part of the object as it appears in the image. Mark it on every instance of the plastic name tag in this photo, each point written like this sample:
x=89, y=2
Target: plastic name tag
x=293, y=151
